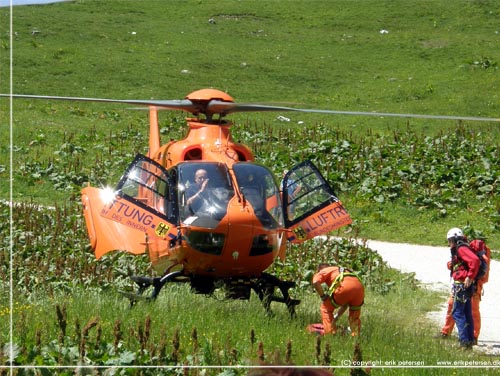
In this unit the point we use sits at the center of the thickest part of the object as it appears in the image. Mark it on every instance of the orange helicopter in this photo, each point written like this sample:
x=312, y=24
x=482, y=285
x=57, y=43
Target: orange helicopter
x=203, y=210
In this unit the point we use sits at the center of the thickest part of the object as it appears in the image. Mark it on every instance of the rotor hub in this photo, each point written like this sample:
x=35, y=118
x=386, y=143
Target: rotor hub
x=206, y=95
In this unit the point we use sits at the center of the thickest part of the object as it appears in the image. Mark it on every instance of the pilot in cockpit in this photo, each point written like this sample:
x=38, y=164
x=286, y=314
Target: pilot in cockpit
x=197, y=193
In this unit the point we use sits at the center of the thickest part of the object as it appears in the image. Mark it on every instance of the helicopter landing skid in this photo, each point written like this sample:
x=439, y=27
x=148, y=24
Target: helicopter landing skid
x=264, y=286
x=144, y=283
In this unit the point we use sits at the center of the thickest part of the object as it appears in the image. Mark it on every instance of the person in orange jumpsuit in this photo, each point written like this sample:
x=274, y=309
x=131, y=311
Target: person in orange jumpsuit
x=345, y=290
x=477, y=245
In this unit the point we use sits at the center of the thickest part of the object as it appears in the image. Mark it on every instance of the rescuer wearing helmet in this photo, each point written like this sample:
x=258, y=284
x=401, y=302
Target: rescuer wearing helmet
x=478, y=246
x=344, y=290
x=464, y=267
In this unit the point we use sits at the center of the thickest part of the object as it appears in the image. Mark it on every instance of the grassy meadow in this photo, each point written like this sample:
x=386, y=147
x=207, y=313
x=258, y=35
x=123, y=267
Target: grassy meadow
x=404, y=180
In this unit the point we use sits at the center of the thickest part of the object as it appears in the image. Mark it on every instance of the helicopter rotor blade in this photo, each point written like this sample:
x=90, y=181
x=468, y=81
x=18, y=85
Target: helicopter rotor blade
x=184, y=105
x=222, y=108
x=227, y=108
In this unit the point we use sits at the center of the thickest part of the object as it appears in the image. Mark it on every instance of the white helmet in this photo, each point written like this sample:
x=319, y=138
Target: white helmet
x=454, y=233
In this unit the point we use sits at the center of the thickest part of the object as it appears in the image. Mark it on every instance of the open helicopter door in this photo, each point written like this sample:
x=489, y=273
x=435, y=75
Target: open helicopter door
x=309, y=205
x=139, y=216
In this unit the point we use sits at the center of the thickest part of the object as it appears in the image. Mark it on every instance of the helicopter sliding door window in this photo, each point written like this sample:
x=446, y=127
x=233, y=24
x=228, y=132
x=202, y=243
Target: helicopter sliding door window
x=148, y=184
x=305, y=191
x=259, y=188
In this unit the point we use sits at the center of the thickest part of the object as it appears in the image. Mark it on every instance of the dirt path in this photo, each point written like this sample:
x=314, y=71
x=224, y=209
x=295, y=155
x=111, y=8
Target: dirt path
x=429, y=265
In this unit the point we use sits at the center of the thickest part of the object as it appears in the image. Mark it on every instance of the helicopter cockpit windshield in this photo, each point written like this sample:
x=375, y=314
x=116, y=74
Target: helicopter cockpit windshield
x=204, y=190
x=259, y=188
x=198, y=193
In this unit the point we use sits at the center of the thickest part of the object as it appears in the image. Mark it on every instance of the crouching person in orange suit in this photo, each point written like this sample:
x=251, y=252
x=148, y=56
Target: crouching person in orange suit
x=345, y=290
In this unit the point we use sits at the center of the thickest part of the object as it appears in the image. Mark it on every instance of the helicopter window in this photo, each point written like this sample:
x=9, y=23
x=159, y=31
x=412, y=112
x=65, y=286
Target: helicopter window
x=204, y=191
x=259, y=188
x=148, y=183
x=305, y=190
